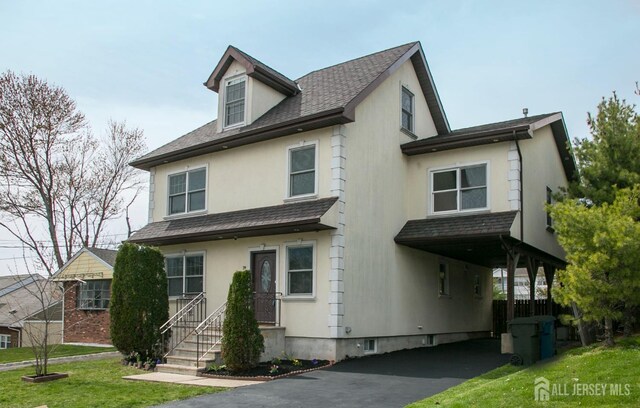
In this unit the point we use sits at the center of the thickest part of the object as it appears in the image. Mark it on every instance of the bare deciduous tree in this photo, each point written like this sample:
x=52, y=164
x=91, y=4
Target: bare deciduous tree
x=56, y=179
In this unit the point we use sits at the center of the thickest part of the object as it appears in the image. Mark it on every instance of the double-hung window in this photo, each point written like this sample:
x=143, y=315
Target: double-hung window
x=5, y=341
x=234, y=98
x=94, y=295
x=187, y=191
x=185, y=274
x=459, y=189
x=302, y=170
x=407, y=109
x=300, y=270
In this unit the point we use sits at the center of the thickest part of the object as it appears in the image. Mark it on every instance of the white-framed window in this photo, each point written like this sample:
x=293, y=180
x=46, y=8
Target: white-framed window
x=187, y=191
x=300, y=269
x=407, y=109
x=370, y=345
x=234, y=101
x=443, y=279
x=5, y=341
x=94, y=295
x=459, y=189
x=185, y=273
x=302, y=179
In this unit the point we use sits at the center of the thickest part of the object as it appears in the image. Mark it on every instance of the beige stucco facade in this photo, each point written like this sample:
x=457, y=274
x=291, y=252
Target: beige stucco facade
x=365, y=285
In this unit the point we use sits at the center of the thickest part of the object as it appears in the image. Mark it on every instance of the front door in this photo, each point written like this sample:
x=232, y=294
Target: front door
x=263, y=265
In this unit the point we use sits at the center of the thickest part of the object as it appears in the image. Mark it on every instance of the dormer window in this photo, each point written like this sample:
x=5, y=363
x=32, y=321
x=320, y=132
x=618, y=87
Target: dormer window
x=234, y=98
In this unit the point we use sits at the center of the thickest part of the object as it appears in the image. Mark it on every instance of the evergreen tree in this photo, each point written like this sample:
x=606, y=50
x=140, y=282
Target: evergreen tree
x=603, y=249
x=139, y=300
x=242, y=342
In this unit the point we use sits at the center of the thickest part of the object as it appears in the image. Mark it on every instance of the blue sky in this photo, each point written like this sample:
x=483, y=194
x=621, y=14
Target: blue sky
x=145, y=61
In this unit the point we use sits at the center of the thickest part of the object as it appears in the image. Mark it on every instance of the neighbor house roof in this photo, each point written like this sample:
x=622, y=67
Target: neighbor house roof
x=277, y=219
x=107, y=255
x=24, y=299
x=326, y=97
x=521, y=128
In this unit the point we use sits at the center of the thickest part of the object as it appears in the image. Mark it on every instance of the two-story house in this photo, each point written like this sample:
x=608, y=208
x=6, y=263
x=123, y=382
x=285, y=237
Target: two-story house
x=368, y=224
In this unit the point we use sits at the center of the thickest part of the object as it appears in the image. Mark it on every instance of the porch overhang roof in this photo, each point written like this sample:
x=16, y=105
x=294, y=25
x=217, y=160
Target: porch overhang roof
x=301, y=216
x=480, y=239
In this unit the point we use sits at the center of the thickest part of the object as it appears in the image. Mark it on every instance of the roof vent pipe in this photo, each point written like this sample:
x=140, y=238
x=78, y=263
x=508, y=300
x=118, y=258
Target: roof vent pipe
x=525, y=111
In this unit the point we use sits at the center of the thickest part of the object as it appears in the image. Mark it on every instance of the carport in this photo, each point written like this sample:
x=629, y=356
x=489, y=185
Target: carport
x=485, y=240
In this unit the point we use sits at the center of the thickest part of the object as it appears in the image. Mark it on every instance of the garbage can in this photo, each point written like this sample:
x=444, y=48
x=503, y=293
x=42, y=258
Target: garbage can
x=526, y=340
x=547, y=336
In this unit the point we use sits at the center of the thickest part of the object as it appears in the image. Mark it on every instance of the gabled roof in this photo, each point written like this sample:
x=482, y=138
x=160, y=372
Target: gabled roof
x=255, y=69
x=107, y=255
x=521, y=128
x=25, y=299
x=277, y=219
x=327, y=97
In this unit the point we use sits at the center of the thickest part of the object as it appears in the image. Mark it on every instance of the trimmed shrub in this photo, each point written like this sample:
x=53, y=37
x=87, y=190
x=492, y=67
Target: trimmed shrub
x=242, y=342
x=139, y=300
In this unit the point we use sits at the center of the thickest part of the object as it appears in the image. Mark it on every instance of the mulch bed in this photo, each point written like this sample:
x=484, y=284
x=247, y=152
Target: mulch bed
x=271, y=370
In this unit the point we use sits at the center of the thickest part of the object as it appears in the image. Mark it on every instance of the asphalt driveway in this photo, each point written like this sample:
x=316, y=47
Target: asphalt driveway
x=388, y=380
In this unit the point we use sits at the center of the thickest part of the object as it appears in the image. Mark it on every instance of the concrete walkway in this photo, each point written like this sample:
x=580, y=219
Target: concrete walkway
x=191, y=380
x=384, y=381
x=54, y=360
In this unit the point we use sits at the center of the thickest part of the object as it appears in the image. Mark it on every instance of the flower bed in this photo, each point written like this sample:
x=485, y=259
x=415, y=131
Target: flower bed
x=270, y=370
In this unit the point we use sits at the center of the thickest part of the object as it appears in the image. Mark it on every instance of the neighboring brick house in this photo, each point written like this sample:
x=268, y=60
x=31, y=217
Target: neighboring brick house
x=368, y=224
x=86, y=280
x=22, y=298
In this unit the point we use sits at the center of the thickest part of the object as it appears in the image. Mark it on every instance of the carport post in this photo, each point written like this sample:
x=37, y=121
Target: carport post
x=512, y=263
x=532, y=271
x=549, y=273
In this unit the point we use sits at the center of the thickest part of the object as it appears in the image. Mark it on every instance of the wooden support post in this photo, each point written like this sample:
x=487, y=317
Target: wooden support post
x=532, y=271
x=549, y=274
x=512, y=264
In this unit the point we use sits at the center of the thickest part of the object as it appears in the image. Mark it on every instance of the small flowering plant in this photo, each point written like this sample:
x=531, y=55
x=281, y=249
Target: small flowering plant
x=296, y=362
x=274, y=369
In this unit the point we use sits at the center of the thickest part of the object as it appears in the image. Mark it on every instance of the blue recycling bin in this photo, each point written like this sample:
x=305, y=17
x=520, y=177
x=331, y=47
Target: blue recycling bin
x=547, y=336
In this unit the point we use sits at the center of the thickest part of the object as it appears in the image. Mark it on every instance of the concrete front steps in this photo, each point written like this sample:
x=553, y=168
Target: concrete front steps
x=183, y=359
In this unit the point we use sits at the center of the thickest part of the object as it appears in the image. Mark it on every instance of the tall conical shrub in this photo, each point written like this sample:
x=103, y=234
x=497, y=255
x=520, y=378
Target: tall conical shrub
x=139, y=300
x=242, y=342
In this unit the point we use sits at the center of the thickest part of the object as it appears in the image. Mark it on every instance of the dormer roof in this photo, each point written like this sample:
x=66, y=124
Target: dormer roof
x=326, y=97
x=255, y=69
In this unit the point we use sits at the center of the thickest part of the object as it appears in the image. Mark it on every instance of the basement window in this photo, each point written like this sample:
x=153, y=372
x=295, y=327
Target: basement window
x=370, y=345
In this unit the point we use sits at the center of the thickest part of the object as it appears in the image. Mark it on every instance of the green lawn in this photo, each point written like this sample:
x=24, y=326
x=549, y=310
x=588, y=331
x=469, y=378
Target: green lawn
x=91, y=384
x=12, y=355
x=575, y=371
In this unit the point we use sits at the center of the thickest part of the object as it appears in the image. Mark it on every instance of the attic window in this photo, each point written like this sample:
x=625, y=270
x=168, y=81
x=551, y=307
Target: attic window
x=407, y=109
x=234, y=97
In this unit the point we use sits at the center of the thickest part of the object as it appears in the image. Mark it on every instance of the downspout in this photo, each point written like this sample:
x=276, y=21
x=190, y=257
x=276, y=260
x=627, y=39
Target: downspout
x=515, y=138
x=19, y=335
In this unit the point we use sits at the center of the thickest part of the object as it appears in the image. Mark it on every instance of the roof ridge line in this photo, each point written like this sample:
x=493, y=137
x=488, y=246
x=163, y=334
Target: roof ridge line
x=355, y=59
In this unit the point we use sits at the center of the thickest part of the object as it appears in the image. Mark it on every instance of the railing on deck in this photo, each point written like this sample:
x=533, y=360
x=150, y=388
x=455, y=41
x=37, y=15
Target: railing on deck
x=209, y=332
x=181, y=325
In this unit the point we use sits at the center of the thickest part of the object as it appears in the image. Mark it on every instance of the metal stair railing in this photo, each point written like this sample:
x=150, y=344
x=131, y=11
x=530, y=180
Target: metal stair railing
x=182, y=324
x=209, y=332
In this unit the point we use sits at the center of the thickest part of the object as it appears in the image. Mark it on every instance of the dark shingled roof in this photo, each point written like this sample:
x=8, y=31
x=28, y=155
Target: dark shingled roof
x=500, y=132
x=278, y=219
x=465, y=226
x=477, y=239
x=107, y=255
x=326, y=98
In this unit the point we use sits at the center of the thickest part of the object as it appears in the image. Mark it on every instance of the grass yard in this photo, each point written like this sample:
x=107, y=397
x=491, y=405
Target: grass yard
x=91, y=384
x=12, y=355
x=575, y=371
